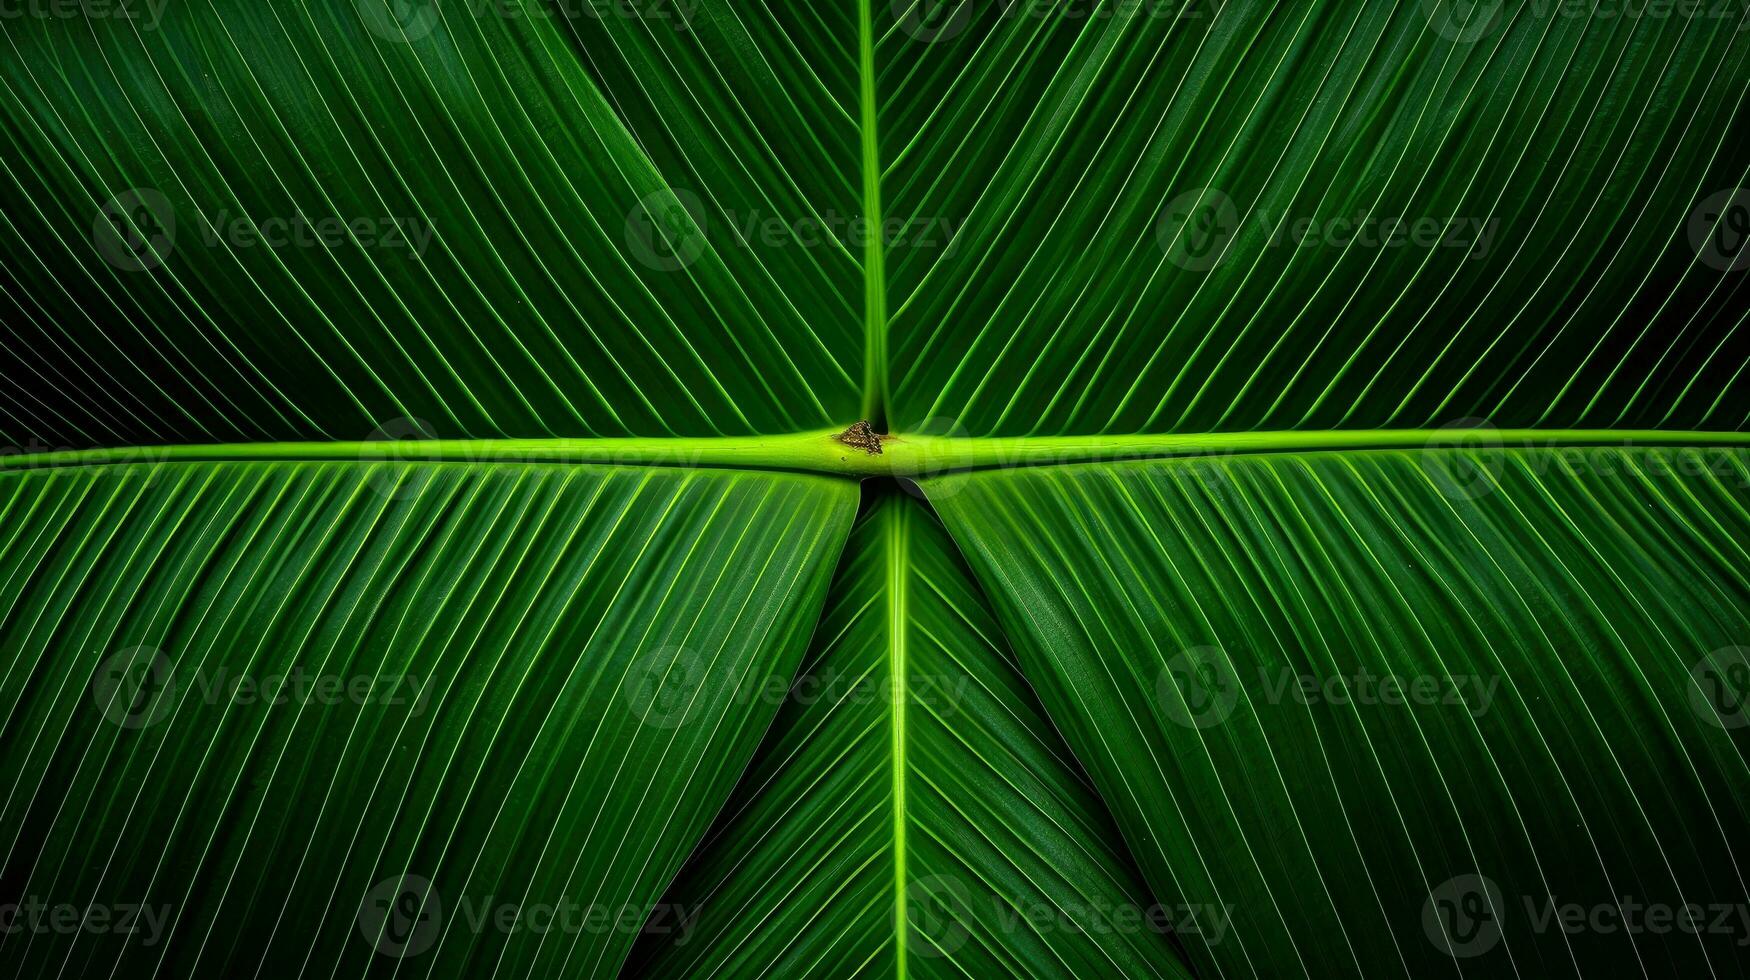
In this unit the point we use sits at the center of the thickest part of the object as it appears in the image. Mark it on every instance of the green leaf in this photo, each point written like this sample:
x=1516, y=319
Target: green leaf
x=483, y=239
x=1554, y=774
x=912, y=812
x=335, y=718
x=540, y=248
x=703, y=217
x=1117, y=173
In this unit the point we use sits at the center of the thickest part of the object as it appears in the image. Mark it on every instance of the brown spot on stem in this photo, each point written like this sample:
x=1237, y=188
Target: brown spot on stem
x=860, y=435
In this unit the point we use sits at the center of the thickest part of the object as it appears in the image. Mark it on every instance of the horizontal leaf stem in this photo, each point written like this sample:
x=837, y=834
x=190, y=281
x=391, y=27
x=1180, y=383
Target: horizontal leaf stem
x=903, y=456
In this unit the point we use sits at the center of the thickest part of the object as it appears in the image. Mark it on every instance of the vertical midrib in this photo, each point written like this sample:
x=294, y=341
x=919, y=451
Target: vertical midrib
x=897, y=559
x=874, y=248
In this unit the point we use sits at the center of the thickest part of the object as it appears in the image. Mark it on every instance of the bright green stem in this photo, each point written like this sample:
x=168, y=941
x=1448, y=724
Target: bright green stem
x=914, y=456
x=874, y=249
x=898, y=570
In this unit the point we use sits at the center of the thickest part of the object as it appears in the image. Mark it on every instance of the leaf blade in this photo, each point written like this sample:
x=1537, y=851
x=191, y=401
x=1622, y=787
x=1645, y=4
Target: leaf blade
x=195, y=685
x=1177, y=218
x=1216, y=636
x=245, y=224
x=911, y=778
